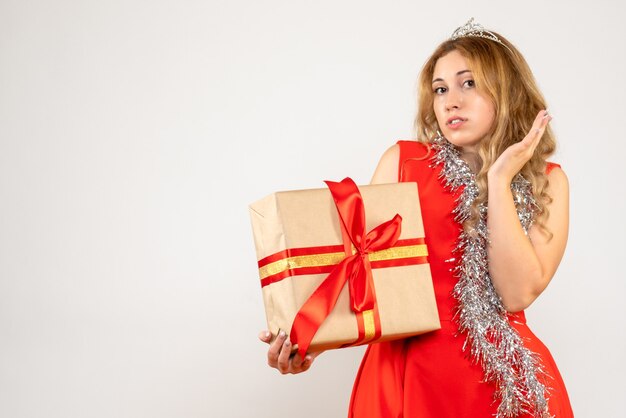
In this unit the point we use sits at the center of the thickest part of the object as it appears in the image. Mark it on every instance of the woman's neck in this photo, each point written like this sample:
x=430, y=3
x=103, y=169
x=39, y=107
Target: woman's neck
x=471, y=158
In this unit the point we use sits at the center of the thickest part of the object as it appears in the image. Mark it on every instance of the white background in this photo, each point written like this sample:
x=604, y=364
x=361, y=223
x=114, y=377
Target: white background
x=133, y=135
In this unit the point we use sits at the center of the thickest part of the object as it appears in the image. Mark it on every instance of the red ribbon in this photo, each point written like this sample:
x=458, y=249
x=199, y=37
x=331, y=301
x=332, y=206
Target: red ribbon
x=355, y=268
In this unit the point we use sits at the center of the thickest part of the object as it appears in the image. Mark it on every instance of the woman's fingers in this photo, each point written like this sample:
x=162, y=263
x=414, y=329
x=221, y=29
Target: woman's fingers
x=279, y=354
x=283, y=357
x=308, y=360
x=265, y=336
x=538, y=128
x=275, y=349
x=296, y=362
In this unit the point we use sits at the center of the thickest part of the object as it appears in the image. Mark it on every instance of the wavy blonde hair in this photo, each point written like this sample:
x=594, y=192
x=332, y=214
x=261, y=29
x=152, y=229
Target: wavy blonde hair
x=505, y=77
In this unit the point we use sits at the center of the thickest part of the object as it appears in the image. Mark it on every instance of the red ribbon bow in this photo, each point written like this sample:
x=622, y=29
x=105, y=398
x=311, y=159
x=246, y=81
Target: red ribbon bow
x=355, y=268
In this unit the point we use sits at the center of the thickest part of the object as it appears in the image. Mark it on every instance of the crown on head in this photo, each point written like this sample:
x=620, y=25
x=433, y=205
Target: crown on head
x=475, y=29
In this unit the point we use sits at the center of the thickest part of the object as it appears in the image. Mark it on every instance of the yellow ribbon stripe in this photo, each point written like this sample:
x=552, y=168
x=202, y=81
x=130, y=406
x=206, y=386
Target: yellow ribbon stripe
x=400, y=252
x=314, y=260
x=368, y=324
x=318, y=260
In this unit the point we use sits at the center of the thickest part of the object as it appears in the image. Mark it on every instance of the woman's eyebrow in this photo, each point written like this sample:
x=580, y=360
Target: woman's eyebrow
x=459, y=73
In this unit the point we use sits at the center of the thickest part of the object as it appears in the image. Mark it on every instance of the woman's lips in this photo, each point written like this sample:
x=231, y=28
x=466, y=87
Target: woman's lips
x=456, y=123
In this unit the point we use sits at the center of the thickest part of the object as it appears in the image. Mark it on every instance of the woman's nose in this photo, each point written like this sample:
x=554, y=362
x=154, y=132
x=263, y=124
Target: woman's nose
x=453, y=99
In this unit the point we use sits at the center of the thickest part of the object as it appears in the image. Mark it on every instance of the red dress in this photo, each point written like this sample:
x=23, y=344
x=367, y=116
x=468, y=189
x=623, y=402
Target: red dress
x=430, y=376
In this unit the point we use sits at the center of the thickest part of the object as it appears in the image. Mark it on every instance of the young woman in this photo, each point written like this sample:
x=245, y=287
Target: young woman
x=495, y=215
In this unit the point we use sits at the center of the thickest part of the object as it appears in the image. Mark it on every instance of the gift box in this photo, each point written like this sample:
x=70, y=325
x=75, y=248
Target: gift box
x=344, y=266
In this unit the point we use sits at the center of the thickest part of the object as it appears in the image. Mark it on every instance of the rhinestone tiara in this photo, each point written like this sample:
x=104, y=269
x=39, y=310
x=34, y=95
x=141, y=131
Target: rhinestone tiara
x=472, y=28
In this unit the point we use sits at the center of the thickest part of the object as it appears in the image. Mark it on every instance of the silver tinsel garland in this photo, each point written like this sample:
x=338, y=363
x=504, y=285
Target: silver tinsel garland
x=493, y=342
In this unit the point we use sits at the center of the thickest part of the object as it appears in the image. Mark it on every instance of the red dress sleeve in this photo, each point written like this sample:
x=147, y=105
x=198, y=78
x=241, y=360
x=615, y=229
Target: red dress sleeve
x=550, y=166
x=411, y=150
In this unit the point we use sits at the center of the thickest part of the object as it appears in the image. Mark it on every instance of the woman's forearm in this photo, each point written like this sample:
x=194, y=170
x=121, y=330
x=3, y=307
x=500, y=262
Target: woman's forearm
x=513, y=264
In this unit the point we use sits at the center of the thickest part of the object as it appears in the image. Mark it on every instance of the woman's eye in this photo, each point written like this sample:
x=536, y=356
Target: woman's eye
x=469, y=83
x=439, y=90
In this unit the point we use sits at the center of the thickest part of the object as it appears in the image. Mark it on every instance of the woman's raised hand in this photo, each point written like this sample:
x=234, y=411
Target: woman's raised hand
x=514, y=157
x=279, y=354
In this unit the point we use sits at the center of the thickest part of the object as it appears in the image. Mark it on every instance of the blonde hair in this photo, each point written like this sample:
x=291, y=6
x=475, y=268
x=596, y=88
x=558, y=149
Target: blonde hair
x=505, y=77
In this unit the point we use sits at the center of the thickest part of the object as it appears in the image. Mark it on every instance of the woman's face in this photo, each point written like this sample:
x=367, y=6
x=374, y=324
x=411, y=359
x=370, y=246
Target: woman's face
x=465, y=115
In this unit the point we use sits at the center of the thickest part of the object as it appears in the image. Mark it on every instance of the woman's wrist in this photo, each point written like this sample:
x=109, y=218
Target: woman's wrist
x=496, y=180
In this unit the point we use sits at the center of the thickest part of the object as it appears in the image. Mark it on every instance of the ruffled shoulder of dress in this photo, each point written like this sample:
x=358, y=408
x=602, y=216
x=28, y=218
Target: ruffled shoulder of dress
x=414, y=149
x=550, y=165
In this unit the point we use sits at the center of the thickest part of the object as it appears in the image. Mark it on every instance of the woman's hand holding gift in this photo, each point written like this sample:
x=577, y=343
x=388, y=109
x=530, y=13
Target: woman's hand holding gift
x=279, y=354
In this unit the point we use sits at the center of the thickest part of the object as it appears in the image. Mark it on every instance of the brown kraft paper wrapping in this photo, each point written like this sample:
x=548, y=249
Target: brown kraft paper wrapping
x=308, y=218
